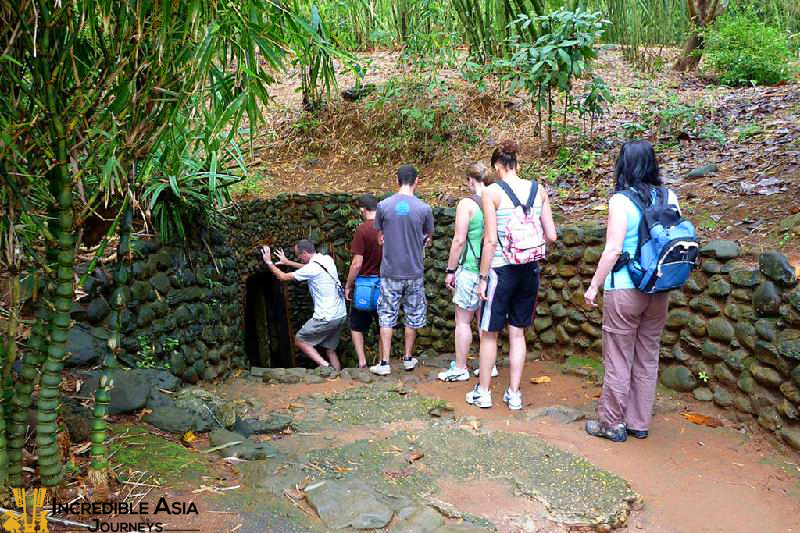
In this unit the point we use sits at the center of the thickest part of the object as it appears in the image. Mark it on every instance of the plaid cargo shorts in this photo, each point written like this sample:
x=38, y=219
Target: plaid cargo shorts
x=408, y=292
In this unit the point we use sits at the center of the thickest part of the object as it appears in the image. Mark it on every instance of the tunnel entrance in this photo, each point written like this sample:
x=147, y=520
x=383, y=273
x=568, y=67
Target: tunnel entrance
x=267, y=339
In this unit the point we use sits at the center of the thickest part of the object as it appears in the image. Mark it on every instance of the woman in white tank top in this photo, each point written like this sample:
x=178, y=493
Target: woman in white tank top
x=508, y=290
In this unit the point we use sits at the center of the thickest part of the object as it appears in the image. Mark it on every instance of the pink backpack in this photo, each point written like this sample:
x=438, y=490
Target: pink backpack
x=524, y=239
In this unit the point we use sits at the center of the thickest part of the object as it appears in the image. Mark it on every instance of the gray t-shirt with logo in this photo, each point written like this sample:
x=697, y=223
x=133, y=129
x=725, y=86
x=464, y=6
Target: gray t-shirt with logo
x=405, y=221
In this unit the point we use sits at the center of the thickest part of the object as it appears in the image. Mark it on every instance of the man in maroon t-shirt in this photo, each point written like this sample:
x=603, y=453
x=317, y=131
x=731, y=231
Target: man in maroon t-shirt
x=367, y=253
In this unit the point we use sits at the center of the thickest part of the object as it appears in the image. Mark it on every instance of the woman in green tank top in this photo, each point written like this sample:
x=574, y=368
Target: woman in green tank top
x=462, y=268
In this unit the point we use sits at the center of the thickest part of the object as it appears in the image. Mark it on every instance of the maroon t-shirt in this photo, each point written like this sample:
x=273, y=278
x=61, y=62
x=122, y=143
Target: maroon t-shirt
x=365, y=243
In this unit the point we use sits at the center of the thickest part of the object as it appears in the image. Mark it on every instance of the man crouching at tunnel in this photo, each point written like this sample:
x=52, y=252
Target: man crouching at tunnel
x=324, y=327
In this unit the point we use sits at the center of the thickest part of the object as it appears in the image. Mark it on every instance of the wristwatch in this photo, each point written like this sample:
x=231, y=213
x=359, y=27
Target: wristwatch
x=483, y=277
x=450, y=270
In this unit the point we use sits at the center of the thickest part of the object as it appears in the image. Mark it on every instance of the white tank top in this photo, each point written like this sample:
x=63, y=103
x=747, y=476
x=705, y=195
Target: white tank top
x=522, y=188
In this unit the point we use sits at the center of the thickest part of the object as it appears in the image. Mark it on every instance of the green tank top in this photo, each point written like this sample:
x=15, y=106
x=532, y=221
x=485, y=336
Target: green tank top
x=472, y=249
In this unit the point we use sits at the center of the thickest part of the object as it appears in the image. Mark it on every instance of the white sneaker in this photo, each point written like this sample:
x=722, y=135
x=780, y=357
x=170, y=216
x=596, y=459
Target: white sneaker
x=513, y=399
x=381, y=369
x=410, y=364
x=454, y=373
x=494, y=371
x=479, y=398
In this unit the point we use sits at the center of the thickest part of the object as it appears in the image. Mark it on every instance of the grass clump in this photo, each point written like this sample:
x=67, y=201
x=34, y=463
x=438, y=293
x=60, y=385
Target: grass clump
x=744, y=51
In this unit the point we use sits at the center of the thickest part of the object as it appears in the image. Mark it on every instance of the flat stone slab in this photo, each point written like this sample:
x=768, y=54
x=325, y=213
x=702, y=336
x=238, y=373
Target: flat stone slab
x=239, y=446
x=573, y=491
x=371, y=405
x=557, y=412
x=348, y=503
x=273, y=423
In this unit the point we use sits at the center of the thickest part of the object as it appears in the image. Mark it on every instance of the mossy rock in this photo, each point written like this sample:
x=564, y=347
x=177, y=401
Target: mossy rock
x=776, y=266
x=678, y=377
x=584, y=367
x=167, y=461
x=767, y=299
x=721, y=249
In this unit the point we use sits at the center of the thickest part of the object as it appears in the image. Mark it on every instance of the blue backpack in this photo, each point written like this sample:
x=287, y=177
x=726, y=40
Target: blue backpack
x=667, y=250
x=366, y=292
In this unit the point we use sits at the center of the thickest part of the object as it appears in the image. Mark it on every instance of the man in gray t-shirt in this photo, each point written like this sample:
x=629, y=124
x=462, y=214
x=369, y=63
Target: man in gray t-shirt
x=404, y=224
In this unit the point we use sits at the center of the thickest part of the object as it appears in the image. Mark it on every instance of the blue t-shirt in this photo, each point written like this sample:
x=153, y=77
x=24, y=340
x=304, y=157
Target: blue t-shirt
x=622, y=280
x=405, y=221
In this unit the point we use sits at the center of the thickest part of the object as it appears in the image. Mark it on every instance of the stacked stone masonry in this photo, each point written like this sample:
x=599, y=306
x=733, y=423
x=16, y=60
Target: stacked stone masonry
x=732, y=334
x=183, y=312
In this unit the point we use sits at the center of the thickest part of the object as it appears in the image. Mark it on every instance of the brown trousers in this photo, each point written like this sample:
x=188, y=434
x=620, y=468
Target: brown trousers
x=632, y=326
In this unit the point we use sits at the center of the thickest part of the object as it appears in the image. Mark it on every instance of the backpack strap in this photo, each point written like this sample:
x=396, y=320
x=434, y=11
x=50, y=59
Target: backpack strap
x=513, y=197
x=532, y=196
x=477, y=199
x=335, y=280
x=637, y=200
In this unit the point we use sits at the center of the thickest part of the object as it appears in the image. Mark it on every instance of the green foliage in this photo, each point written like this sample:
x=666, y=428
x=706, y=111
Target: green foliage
x=670, y=119
x=748, y=131
x=594, y=102
x=632, y=130
x=712, y=132
x=487, y=25
x=351, y=216
x=186, y=180
x=563, y=52
x=571, y=169
x=744, y=51
x=644, y=27
x=147, y=353
x=317, y=73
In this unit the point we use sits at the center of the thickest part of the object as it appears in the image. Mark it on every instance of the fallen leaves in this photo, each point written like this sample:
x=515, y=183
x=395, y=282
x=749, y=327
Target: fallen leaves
x=541, y=380
x=702, y=420
x=405, y=472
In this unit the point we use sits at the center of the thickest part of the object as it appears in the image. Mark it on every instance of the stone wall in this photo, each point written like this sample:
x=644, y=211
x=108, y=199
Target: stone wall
x=732, y=334
x=183, y=314
x=329, y=221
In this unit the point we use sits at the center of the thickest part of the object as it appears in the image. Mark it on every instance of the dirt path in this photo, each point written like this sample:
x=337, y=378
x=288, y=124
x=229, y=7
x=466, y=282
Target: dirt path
x=691, y=478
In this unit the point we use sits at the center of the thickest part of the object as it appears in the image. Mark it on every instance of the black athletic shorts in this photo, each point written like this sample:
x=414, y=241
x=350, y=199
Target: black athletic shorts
x=360, y=321
x=511, y=293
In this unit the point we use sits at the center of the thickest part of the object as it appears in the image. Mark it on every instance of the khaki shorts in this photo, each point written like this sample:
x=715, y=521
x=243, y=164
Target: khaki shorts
x=323, y=333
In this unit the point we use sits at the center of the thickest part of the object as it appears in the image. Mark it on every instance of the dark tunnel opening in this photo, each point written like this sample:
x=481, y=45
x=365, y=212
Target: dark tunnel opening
x=267, y=340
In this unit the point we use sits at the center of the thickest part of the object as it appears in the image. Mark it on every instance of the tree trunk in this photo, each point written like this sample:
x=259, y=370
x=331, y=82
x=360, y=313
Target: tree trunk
x=99, y=471
x=690, y=57
x=702, y=13
x=51, y=468
x=32, y=360
x=9, y=354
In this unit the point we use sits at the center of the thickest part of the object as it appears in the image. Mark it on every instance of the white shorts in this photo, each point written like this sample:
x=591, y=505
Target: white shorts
x=466, y=293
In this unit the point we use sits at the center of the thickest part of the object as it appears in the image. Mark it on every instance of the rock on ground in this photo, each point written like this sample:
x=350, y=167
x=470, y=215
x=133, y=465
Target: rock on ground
x=274, y=423
x=171, y=419
x=421, y=520
x=348, y=503
x=245, y=449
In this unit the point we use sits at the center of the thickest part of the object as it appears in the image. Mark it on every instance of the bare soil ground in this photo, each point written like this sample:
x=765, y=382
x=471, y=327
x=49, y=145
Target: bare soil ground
x=751, y=135
x=692, y=478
